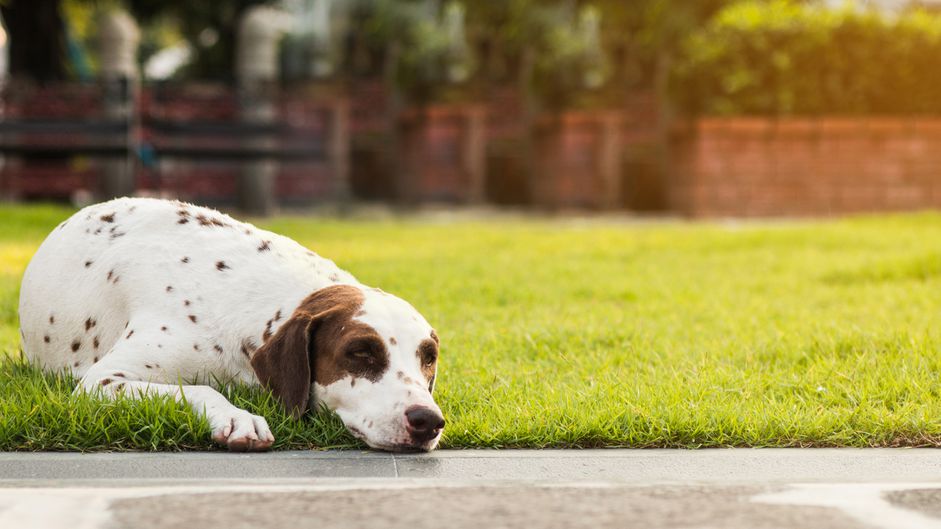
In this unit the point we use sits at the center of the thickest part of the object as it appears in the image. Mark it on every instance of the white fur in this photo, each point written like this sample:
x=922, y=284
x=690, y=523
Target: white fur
x=232, y=278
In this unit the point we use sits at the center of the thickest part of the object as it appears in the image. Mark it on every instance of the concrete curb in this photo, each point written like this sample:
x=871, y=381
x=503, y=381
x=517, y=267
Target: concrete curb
x=727, y=466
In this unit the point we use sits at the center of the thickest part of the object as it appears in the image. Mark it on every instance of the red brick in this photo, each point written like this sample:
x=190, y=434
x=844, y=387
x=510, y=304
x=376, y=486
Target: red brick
x=897, y=127
x=752, y=128
x=927, y=127
x=797, y=128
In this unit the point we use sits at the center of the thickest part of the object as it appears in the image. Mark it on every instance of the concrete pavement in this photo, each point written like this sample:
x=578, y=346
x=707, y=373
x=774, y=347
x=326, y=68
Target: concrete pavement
x=891, y=488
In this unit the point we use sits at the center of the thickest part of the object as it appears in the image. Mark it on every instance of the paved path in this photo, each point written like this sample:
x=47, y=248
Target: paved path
x=849, y=488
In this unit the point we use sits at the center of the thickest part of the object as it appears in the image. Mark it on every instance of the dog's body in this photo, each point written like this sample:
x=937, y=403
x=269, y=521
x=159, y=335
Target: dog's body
x=143, y=294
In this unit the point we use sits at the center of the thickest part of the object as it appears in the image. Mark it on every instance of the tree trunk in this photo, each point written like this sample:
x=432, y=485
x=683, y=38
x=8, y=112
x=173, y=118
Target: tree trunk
x=37, y=39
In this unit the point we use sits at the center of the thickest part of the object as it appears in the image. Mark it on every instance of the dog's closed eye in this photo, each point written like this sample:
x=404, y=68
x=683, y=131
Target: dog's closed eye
x=363, y=351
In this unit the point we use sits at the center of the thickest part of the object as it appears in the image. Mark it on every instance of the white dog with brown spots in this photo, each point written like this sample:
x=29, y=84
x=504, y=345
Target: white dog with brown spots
x=135, y=295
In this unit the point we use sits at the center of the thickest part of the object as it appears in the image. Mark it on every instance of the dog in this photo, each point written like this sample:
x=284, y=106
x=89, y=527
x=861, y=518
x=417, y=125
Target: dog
x=137, y=295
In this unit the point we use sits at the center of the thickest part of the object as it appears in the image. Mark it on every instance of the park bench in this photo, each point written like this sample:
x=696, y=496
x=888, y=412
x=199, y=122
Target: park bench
x=170, y=134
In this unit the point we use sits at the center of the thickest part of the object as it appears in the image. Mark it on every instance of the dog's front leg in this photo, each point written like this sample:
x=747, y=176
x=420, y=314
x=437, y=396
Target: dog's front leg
x=234, y=427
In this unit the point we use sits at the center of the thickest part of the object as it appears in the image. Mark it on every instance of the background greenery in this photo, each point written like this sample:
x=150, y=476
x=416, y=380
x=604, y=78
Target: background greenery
x=726, y=57
x=591, y=333
x=785, y=57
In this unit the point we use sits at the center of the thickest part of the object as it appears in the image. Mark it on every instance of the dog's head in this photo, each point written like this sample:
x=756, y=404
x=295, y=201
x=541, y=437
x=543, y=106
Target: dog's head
x=367, y=355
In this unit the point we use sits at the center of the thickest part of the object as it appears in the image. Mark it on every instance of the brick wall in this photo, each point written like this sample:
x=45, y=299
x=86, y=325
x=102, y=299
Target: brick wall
x=441, y=149
x=805, y=167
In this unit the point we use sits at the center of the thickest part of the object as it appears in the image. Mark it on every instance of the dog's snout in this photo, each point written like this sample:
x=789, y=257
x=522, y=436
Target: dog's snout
x=424, y=421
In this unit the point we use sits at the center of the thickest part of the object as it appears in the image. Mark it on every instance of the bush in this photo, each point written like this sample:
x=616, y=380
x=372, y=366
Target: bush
x=783, y=58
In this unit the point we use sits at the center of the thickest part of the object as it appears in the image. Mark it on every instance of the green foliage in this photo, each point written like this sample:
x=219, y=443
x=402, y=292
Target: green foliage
x=435, y=59
x=571, y=62
x=783, y=57
x=209, y=27
x=588, y=334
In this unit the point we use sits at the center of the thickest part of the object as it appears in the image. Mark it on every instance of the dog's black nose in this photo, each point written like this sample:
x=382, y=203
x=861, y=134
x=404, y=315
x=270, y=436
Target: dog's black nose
x=424, y=422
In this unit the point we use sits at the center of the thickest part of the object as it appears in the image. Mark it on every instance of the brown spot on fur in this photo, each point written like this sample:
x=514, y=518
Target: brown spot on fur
x=220, y=265
x=45, y=339
x=88, y=263
x=169, y=288
x=130, y=334
x=356, y=432
x=76, y=363
x=218, y=348
x=195, y=347
x=186, y=303
x=95, y=342
x=277, y=315
x=315, y=344
x=95, y=360
x=148, y=366
x=52, y=319
x=352, y=381
x=206, y=221
x=183, y=220
x=108, y=218
x=265, y=246
x=75, y=345
x=185, y=260
x=163, y=328
x=110, y=274
x=392, y=340
x=119, y=387
x=89, y=323
x=105, y=381
x=118, y=374
x=192, y=318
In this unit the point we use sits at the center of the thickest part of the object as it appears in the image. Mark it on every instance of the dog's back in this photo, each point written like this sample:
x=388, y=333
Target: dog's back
x=188, y=272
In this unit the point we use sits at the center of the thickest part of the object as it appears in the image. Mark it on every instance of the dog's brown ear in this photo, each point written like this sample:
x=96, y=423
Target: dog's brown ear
x=283, y=363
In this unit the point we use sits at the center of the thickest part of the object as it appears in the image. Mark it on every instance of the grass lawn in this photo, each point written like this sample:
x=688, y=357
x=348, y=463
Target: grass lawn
x=573, y=334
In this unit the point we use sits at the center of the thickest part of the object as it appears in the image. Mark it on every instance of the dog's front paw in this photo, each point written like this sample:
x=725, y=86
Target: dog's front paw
x=241, y=431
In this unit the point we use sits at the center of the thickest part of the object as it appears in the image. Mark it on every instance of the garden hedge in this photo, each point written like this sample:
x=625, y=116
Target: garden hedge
x=787, y=58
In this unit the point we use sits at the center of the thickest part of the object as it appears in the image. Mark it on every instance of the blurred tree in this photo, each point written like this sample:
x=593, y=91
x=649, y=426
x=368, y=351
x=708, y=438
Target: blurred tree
x=649, y=32
x=209, y=27
x=547, y=39
x=37, y=39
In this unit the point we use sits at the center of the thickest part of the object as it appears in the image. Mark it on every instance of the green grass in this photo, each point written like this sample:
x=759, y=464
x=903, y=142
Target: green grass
x=591, y=334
